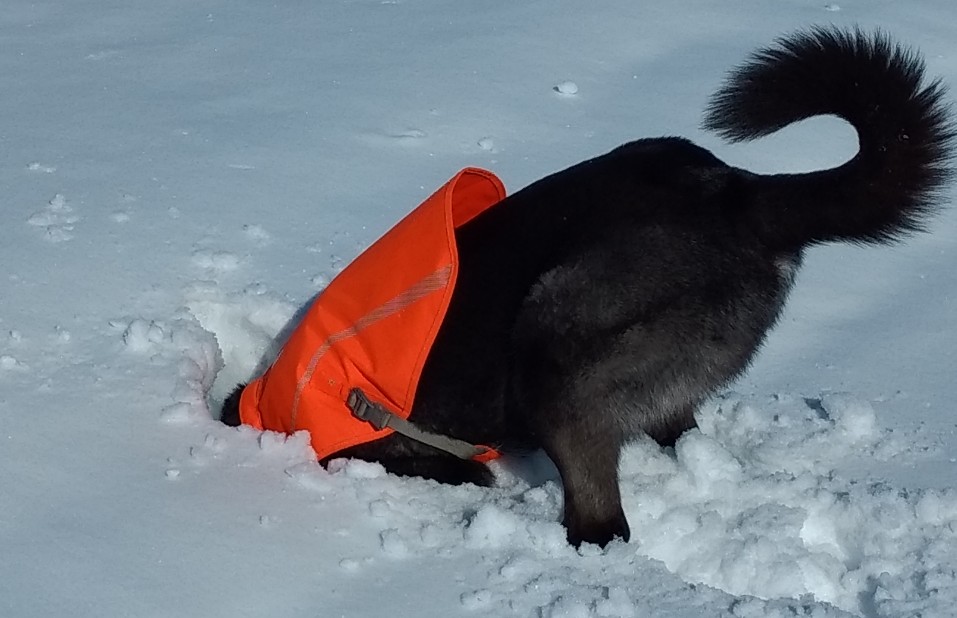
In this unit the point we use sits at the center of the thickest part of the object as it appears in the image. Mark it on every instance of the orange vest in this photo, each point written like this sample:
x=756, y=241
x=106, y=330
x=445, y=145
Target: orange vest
x=372, y=327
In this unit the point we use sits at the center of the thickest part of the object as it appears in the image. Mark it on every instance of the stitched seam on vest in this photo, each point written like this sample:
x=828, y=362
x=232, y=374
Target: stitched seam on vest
x=419, y=290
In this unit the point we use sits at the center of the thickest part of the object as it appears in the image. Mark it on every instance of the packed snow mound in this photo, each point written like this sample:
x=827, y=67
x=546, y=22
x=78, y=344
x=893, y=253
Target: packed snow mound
x=749, y=504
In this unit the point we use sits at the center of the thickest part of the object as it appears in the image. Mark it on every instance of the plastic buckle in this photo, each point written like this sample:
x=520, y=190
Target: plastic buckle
x=366, y=410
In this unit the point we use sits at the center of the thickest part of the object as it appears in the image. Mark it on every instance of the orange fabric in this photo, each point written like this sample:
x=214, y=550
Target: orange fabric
x=372, y=327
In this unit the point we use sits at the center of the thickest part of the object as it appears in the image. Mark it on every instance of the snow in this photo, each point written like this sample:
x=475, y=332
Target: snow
x=179, y=179
x=567, y=88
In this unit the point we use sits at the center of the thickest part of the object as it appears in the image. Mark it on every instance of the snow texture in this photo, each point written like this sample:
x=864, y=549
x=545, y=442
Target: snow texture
x=180, y=179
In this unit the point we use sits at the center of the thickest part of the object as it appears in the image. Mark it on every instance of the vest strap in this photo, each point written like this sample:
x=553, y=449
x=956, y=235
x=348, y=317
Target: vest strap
x=381, y=417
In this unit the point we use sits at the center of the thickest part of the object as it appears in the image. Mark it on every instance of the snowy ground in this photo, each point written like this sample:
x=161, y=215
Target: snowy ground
x=177, y=178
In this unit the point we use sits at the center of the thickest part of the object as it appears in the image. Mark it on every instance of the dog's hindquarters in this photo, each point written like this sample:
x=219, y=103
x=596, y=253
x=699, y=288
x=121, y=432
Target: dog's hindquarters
x=626, y=338
x=697, y=305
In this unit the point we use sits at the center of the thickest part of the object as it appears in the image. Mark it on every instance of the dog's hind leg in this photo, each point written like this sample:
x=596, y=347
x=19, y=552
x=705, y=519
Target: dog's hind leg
x=586, y=455
x=581, y=430
x=670, y=427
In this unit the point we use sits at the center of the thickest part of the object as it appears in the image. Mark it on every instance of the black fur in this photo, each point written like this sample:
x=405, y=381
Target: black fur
x=610, y=299
x=230, y=413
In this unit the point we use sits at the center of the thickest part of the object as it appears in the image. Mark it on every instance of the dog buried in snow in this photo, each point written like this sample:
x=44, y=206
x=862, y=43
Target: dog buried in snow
x=611, y=299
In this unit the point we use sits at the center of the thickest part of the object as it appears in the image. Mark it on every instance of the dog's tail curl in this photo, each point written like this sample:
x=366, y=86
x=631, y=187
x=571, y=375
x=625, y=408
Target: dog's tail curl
x=905, y=134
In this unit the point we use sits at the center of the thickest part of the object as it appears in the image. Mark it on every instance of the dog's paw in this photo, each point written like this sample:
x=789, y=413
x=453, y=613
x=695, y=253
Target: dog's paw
x=598, y=532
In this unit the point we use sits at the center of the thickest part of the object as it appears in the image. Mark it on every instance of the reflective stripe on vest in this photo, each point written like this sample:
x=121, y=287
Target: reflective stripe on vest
x=373, y=325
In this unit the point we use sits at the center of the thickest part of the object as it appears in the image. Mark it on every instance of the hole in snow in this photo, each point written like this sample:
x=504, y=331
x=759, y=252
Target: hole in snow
x=249, y=331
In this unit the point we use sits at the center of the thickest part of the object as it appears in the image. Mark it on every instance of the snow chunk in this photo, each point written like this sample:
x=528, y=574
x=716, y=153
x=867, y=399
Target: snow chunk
x=854, y=417
x=350, y=565
x=567, y=88
x=566, y=607
x=357, y=468
x=393, y=544
x=313, y=477
x=478, y=599
x=220, y=261
x=10, y=363
x=62, y=335
x=616, y=603
x=57, y=219
x=141, y=335
x=256, y=233
x=36, y=166
x=492, y=527
x=707, y=461
x=270, y=441
x=181, y=413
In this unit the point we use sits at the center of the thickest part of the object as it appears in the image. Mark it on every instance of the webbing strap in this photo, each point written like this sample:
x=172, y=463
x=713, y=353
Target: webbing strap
x=381, y=417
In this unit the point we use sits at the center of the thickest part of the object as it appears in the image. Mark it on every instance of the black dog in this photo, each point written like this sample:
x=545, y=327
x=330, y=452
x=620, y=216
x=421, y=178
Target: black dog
x=610, y=299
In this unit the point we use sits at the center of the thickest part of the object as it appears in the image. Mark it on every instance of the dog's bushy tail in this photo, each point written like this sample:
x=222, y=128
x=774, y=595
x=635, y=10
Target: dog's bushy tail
x=906, y=136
